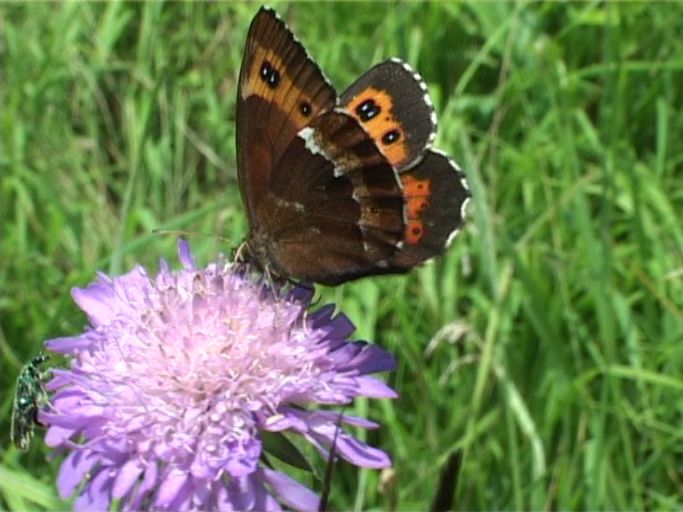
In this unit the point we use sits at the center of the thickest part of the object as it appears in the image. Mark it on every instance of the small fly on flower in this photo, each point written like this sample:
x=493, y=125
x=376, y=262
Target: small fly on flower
x=30, y=396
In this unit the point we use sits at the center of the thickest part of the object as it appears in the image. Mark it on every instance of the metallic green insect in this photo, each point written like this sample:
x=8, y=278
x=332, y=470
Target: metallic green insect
x=28, y=399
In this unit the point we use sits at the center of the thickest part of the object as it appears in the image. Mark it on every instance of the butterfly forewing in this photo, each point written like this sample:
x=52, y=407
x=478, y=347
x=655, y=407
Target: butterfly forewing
x=280, y=91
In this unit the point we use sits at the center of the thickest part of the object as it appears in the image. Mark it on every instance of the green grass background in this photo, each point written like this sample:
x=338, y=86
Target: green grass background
x=545, y=348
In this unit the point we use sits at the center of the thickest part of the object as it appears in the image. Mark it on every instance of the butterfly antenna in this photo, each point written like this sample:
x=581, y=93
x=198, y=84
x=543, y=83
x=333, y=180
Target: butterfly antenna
x=187, y=233
x=329, y=468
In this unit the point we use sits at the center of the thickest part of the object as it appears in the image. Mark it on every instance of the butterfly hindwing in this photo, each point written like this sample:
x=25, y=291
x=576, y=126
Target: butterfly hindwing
x=280, y=91
x=391, y=102
x=392, y=97
x=436, y=197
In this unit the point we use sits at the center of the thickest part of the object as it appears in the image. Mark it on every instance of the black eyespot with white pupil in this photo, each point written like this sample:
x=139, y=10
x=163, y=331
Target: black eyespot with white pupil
x=391, y=136
x=270, y=75
x=305, y=108
x=367, y=110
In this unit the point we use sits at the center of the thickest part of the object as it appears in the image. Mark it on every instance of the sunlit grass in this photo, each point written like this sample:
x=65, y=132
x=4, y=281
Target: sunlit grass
x=554, y=323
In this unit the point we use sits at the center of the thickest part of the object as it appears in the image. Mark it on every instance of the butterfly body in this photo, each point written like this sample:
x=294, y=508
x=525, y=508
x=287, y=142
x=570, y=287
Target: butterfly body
x=338, y=188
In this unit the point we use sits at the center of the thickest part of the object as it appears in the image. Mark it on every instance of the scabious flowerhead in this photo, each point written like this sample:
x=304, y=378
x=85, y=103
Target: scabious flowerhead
x=172, y=386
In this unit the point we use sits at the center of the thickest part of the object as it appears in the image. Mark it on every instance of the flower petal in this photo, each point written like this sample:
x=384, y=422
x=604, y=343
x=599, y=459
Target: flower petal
x=354, y=451
x=302, y=294
x=286, y=419
x=291, y=492
x=140, y=493
x=95, y=300
x=185, y=255
x=240, y=494
x=323, y=419
x=56, y=436
x=374, y=388
x=127, y=475
x=96, y=495
x=171, y=488
x=73, y=470
x=68, y=344
x=371, y=359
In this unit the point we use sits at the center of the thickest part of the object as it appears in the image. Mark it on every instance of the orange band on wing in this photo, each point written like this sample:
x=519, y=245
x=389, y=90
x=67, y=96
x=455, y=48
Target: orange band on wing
x=414, y=231
x=383, y=127
x=416, y=194
x=283, y=92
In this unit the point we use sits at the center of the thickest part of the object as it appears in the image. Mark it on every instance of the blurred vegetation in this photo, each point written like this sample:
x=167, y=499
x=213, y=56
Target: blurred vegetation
x=545, y=350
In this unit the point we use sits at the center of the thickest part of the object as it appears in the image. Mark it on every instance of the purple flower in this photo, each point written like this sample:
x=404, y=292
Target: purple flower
x=172, y=386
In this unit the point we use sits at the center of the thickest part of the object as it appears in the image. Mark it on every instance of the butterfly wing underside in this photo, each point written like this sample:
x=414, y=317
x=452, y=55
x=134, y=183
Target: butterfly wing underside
x=280, y=91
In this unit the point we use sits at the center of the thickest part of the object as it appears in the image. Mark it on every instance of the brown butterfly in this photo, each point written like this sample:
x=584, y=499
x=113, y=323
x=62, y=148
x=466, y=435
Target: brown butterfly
x=337, y=188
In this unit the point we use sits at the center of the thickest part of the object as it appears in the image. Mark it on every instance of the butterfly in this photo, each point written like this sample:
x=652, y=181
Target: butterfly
x=338, y=187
